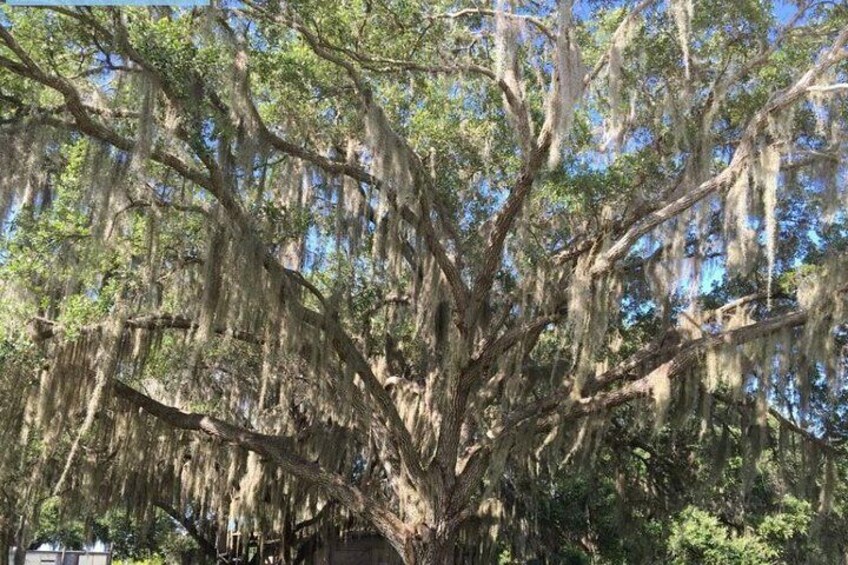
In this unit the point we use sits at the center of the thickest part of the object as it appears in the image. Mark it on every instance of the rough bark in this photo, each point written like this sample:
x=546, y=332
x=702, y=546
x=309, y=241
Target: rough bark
x=432, y=547
x=5, y=544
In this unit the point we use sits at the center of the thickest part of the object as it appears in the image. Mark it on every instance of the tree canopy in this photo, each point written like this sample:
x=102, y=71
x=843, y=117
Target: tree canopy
x=428, y=269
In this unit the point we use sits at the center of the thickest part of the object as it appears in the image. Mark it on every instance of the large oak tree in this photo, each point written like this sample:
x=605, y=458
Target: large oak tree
x=270, y=262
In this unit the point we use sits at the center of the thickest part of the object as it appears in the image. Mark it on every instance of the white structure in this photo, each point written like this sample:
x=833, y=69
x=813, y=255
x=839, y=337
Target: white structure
x=66, y=557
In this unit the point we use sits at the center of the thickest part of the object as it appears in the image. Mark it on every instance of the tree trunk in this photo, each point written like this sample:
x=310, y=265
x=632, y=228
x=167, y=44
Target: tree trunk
x=5, y=545
x=21, y=545
x=431, y=549
x=433, y=554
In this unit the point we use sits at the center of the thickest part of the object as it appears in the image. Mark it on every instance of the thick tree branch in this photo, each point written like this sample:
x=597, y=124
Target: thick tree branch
x=344, y=346
x=275, y=450
x=43, y=328
x=744, y=151
x=502, y=224
x=424, y=188
x=560, y=407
